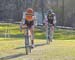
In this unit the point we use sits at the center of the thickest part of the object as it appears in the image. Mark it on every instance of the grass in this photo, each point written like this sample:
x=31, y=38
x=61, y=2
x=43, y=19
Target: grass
x=12, y=48
x=63, y=34
x=13, y=31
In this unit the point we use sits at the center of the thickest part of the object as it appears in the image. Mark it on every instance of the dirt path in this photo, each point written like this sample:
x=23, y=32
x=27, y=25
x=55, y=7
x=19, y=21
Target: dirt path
x=57, y=50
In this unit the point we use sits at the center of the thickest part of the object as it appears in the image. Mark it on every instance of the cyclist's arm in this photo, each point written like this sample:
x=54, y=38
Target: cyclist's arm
x=54, y=19
x=23, y=21
x=45, y=22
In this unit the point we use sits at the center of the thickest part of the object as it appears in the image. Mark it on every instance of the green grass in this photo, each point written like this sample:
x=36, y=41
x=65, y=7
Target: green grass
x=14, y=31
x=63, y=34
x=63, y=48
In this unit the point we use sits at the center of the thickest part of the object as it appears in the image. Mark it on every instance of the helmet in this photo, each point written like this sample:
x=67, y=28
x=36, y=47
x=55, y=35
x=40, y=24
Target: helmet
x=29, y=10
x=29, y=14
x=50, y=11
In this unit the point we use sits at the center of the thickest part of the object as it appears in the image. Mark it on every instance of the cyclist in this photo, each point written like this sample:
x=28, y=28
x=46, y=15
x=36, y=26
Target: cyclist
x=50, y=18
x=28, y=21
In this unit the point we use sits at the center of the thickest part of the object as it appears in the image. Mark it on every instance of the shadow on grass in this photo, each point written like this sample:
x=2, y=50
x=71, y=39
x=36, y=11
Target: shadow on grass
x=21, y=36
x=12, y=36
x=2, y=35
x=36, y=45
x=17, y=36
x=11, y=56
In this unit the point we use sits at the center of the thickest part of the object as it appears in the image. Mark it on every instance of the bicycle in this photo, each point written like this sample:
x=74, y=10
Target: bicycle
x=49, y=34
x=27, y=41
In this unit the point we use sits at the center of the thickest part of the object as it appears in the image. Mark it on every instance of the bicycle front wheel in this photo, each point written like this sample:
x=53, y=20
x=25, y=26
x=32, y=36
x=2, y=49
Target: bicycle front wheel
x=28, y=50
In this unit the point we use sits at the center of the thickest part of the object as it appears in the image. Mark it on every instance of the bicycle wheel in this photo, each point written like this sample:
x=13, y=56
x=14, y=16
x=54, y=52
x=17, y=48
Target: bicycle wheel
x=26, y=50
x=30, y=49
x=48, y=41
x=27, y=42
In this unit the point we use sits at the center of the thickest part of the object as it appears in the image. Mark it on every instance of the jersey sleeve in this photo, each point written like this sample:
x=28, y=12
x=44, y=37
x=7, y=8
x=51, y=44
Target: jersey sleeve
x=54, y=21
x=45, y=20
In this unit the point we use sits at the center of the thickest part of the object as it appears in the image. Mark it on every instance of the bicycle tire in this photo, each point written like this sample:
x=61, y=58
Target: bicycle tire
x=30, y=44
x=30, y=49
x=26, y=51
x=48, y=41
x=27, y=43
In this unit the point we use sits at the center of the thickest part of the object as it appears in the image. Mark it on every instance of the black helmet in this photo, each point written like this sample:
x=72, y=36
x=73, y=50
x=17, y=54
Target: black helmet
x=50, y=11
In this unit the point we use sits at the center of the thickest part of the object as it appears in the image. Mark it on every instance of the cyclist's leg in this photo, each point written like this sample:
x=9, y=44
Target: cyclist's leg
x=32, y=35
